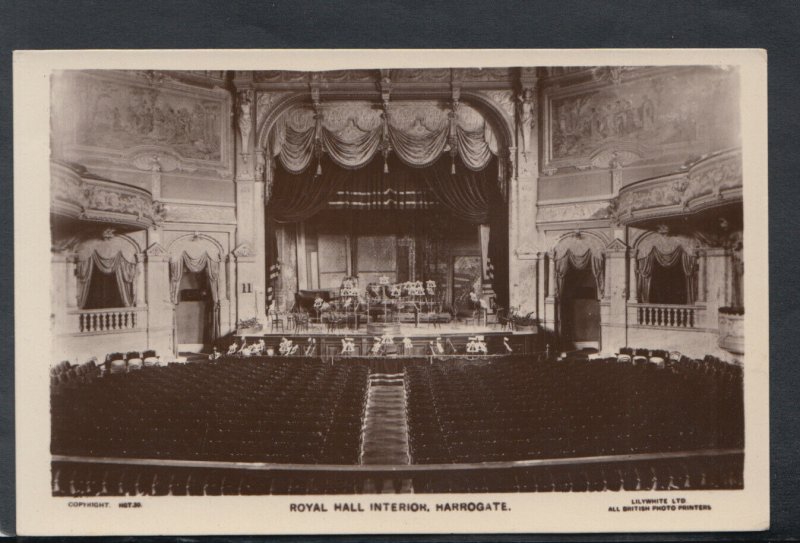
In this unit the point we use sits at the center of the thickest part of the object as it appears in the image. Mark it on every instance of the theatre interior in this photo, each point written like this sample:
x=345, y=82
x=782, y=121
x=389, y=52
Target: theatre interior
x=440, y=280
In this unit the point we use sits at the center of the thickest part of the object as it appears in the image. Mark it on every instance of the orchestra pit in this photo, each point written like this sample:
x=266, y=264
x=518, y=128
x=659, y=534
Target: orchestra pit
x=400, y=281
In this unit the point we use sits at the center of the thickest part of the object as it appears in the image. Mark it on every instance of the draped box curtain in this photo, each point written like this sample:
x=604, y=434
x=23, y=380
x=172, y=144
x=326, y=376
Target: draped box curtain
x=655, y=256
x=124, y=271
x=196, y=265
x=580, y=262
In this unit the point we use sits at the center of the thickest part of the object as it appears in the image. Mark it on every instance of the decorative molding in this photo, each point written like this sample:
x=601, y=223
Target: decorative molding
x=710, y=182
x=579, y=211
x=75, y=193
x=616, y=246
x=199, y=214
x=243, y=251
x=156, y=250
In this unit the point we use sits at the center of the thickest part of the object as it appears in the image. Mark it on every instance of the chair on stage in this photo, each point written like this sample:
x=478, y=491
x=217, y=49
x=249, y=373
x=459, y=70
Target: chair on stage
x=276, y=321
x=300, y=321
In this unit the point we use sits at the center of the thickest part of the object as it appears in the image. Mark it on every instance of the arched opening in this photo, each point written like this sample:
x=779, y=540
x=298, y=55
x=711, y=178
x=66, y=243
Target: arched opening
x=194, y=312
x=580, y=310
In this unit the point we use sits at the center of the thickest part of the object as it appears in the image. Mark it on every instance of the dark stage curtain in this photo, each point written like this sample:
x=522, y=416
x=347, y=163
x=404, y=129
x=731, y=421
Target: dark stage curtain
x=472, y=196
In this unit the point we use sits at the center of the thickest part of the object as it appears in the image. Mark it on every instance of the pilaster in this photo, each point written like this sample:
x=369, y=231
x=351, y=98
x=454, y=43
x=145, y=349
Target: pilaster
x=614, y=306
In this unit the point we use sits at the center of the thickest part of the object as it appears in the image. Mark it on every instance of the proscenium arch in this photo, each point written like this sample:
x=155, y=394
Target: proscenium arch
x=500, y=122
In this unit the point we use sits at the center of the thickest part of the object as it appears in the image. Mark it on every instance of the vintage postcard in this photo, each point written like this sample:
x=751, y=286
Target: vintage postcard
x=375, y=291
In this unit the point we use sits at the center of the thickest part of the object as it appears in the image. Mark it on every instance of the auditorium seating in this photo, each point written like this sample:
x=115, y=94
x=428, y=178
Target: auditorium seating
x=300, y=410
x=518, y=409
x=685, y=415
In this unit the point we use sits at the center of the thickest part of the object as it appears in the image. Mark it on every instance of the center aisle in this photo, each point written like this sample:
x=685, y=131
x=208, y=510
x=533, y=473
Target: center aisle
x=384, y=435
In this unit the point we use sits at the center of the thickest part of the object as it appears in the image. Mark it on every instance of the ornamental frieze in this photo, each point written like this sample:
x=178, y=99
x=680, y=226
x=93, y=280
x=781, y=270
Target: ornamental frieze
x=714, y=180
x=75, y=194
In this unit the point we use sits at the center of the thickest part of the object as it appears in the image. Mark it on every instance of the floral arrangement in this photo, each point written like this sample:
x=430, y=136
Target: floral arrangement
x=318, y=303
x=430, y=286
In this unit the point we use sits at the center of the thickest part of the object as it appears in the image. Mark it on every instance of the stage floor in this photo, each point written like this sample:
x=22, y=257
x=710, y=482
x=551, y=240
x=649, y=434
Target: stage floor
x=406, y=330
x=455, y=336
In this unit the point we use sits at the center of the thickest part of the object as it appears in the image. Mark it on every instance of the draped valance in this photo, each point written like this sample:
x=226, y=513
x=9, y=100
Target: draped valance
x=197, y=265
x=124, y=271
x=570, y=260
x=677, y=256
x=352, y=136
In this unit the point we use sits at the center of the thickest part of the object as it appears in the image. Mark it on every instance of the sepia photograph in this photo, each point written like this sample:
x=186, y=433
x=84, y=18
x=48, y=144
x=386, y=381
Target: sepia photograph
x=378, y=286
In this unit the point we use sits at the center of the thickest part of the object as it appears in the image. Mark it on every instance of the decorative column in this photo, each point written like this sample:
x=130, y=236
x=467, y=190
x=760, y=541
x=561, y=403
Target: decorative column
x=633, y=283
x=701, y=275
x=157, y=296
x=63, y=299
x=523, y=235
x=249, y=204
x=716, y=284
x=614, y=306
x=139, y=300
x=551, y=300
x=541, y=282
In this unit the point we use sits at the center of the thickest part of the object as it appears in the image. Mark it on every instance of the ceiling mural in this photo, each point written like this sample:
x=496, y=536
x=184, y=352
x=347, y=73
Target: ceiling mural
x=644, y=116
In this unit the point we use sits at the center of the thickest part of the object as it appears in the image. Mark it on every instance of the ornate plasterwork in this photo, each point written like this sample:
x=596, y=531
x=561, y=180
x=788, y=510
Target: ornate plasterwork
x=504, y=100
x=243, y=251
x=279, y=76
x=199, y=213
x=421, y=74
x=73, y=192
x=244, y=119
x=156, y=249
x=710, y=182
x=581, y=211
x=117, y=117
x=649, y=112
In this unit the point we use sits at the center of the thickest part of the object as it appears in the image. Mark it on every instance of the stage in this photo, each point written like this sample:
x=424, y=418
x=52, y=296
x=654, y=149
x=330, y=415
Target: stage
x=454, y=338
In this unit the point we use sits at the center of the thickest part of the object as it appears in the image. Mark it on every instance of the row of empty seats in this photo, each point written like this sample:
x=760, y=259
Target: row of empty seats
x=298, y=411
x=515, y=409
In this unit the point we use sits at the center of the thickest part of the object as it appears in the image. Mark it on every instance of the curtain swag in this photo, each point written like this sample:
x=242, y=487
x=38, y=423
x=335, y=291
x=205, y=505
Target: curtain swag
x=354, y=147
x=570, y=260
x=124, y=271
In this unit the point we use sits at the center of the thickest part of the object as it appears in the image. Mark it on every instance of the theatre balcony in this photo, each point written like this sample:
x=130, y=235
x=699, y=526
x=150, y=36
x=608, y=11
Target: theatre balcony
x=76, y=194
x=709, y=184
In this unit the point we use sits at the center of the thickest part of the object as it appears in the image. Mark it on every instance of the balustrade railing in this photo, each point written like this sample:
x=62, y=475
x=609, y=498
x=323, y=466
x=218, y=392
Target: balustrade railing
x=108, y=320
x=666, y=315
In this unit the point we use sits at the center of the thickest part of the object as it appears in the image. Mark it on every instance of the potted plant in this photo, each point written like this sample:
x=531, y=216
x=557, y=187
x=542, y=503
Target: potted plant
x=523, y=322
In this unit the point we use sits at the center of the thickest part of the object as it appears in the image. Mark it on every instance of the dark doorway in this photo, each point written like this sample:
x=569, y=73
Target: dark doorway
x=580, y=310
x=193, y=313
